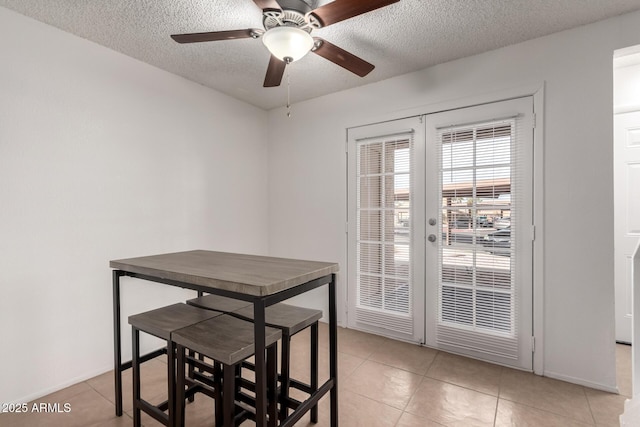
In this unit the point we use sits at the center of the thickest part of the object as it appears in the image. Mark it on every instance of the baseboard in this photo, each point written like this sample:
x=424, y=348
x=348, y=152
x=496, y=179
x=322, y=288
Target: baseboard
x=582, y=382
x=58, y=387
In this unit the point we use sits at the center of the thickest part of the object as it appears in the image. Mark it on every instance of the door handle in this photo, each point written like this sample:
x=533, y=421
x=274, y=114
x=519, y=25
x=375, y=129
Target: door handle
x=432, y=237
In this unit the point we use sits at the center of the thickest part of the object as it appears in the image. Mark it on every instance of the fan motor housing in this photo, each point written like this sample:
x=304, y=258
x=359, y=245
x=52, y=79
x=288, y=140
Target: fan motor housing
x=293, y=14
x=302, y=6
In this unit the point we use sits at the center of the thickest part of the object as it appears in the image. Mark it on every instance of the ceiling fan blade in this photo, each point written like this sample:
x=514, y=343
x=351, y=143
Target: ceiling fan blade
x=275, y=71
x=339, y=10
x=267, y=4
x=214, y=36
x=342, y=58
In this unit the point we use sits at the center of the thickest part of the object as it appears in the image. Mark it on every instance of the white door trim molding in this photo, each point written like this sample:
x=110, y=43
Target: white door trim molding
x=537, y=91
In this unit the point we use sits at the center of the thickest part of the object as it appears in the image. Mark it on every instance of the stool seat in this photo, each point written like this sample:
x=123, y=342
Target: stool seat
x=228, y=341
x=162, y=321
x=219, y=303
x=224, y=338
x=289, y=318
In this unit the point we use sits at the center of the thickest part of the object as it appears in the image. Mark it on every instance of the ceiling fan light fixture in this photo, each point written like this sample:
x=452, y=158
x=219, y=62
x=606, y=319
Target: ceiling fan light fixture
x=288, y=44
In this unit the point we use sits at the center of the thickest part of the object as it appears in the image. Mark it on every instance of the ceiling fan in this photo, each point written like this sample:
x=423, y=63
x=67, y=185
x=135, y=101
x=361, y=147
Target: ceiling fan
x=287, y=33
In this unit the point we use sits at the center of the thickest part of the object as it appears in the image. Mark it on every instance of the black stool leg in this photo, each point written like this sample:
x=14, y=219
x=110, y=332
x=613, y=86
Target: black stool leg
x=192, y=354
x=135, y=367
x=191, y=371
x=171, y=379
x=178, y=418
x=217, y=378
x=285, y=369
x=314, y=368
x=238, y=385
x=272, y=384
x=228, y=395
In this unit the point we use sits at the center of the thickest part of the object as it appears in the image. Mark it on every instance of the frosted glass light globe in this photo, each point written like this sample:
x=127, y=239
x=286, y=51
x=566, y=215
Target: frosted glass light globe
x=288, y=44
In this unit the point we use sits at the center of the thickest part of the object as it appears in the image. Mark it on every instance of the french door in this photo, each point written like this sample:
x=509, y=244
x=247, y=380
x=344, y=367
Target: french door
x=440, y=230
x=385, y=229
x=479, y=251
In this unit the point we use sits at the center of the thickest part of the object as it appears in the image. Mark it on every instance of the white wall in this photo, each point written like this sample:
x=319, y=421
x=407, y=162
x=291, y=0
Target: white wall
x=307, y=179
x=104, y=157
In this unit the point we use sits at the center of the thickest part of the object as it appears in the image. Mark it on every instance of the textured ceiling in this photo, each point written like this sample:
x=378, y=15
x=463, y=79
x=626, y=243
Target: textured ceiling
x=398, y=39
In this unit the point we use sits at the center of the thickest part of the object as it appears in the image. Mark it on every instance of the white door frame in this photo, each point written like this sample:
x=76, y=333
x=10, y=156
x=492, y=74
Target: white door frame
x=626, y=158
x=510, y=350
x=626, y=167
x=367, y=319
x=537, y=90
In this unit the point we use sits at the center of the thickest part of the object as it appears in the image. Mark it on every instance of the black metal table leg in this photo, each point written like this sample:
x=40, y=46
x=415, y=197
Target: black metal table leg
x=333, y=350
x=171, y=378
x=260, y=373
x=179, y=415
x=117, y=344
x=314, y=368
x=272, y=387
x=135, y=367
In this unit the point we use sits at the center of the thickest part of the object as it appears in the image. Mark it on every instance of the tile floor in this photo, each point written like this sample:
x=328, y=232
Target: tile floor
x=382, y=383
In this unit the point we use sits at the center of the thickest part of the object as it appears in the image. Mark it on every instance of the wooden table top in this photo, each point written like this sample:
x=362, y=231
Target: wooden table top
x=248, y=274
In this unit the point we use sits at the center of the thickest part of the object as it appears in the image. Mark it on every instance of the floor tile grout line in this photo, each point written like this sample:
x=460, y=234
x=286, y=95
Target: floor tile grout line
x=438, y=354
x=463, y=387
x=397, y=367
x=495, y=417
x=413, y=394
x=584, y=390
x=426, y=375
x=546, y=410
x=102, y=395
x=422, y=377
x=495, y=414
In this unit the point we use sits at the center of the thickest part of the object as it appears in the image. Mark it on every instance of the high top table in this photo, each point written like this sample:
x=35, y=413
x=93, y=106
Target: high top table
x=261, y=280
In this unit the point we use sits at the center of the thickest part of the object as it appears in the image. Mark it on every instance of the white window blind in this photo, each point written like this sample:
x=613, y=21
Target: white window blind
x=479, y=189
x=384, y=195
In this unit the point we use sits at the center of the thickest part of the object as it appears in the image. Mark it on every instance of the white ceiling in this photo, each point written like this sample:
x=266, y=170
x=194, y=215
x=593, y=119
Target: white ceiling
x=400, y=38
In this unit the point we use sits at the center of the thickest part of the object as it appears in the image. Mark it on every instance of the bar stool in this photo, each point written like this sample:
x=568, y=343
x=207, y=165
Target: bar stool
x=161, y=323
x=216, y=303
x=290, y=320
x=229, y=341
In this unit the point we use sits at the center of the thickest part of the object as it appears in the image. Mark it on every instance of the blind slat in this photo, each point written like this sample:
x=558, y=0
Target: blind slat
x=383, y=247
x=478, y=187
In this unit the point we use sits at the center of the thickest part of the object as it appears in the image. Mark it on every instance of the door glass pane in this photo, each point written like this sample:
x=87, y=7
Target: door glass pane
x=457, y=305
x=493, y=310
x=476, y=291
x=370, y=291
x=384, y=226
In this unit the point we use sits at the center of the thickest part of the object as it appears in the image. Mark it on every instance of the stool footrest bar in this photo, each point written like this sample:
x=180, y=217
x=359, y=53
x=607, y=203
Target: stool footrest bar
x=153, y=411
x=144, y=358
x=307, y=404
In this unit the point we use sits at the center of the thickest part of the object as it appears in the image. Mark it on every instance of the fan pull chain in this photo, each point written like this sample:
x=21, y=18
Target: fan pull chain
x=288, y=94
